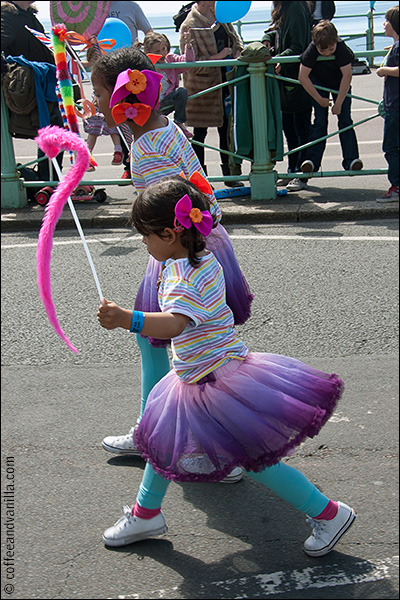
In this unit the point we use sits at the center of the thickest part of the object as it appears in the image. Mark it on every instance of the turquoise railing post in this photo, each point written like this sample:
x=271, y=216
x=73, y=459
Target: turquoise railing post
x=370, y=35
x=262, y=175
x=13, y=192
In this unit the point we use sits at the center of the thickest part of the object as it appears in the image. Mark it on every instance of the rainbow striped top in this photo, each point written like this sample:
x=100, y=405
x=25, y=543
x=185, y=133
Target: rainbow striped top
x=164, y=152
x=210, y=340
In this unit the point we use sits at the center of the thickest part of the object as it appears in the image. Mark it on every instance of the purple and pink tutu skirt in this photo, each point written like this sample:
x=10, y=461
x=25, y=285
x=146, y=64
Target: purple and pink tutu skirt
x=238, y=295
x=247, y=413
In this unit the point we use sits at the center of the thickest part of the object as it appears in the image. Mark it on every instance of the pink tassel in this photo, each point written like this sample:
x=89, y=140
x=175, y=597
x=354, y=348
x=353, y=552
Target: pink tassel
x=52, y=140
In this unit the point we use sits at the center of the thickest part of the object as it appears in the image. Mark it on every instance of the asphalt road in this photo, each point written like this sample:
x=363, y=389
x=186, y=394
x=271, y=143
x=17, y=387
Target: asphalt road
x=325, y=293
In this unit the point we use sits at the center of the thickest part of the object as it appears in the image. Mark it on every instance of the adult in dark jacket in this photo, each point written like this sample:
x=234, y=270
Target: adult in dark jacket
x=210, y=41
x=290, y=35
x=16, y=40
x=324, y=10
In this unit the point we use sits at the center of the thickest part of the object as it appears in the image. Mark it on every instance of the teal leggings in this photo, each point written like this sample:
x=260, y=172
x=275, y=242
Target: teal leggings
x=288, y=483
x=155, y=365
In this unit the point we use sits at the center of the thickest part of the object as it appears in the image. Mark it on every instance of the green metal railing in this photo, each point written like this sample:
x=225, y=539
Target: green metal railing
x=262, y=176
x=13, y=193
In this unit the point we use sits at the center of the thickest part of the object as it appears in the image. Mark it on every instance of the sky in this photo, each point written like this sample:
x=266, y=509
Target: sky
x=149, y=8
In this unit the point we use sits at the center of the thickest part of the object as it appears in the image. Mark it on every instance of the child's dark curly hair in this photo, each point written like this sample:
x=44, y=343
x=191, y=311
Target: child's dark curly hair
x=109, y=66
x=154, y=210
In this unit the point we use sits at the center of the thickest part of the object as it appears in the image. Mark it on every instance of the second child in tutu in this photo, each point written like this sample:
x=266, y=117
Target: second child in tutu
x=221, y=406
x=127, y=89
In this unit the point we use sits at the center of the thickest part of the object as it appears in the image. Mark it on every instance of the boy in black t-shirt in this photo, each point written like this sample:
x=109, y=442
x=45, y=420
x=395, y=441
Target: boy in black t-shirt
x=335, y=75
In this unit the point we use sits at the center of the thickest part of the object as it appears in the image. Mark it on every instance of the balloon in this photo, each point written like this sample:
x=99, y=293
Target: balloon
x=117, y=30
x=228, y=12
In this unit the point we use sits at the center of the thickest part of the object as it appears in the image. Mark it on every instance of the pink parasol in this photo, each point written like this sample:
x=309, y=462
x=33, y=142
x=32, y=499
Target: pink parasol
x=84, y=17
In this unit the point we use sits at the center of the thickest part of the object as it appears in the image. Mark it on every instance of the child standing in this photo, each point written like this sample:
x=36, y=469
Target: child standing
x=173, y=97
x=335, y=75
x=95, y=125
x=159, y=149
x=221, y=406
x=390, y=71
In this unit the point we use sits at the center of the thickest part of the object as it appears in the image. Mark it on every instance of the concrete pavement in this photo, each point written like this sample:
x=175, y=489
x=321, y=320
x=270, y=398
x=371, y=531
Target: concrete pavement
x=331, y=203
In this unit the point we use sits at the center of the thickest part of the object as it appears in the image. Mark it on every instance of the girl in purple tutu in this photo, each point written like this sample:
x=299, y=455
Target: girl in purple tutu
x=221, y=406
x=127, y=89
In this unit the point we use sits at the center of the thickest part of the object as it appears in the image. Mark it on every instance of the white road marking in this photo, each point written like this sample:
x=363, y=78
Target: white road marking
x=234, y=236
x=337, y=418
x=71, y=242
x=335, y=238
x=279, y=582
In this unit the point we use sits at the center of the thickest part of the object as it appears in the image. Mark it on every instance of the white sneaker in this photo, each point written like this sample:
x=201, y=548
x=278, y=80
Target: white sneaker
x=296, y=185
x=235, y=475
x=307, y=166
x=129, y=529
x=326, y=534
x=121, y=444
x=282, y=182
x=201, y=464
x=356, y=165
x=392, y=195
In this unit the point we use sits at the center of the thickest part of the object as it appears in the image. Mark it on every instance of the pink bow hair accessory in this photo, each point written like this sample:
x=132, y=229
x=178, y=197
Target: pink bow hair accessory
x=138, y=112
x=187, y=216
x=148, y=88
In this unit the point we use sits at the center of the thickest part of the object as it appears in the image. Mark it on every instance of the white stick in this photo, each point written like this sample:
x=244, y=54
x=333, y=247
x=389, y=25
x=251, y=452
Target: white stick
x=75, y=55
x=78, y=226
x=123, y=137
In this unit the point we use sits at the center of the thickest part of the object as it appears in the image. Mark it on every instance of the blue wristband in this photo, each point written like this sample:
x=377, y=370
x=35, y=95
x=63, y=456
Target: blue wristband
x=137, y=321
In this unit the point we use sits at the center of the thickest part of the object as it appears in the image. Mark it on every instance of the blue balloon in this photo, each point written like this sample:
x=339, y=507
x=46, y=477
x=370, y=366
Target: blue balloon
x=229, y=12
x=115, y=29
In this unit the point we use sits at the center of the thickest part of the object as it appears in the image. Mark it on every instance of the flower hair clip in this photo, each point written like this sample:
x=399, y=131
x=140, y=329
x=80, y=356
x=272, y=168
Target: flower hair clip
x=137, y=82
x=146, y=85
x=186, y=216
x=139, y=113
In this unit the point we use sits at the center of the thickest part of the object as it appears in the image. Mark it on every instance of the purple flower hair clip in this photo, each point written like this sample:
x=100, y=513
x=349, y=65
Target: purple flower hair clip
x=186, y=216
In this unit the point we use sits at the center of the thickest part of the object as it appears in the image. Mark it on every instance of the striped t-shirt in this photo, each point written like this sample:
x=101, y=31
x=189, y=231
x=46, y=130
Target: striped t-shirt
x=165, y=152
x=209, y=340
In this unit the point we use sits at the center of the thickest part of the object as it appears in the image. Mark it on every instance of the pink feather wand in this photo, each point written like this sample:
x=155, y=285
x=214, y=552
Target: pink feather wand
x=52, y=140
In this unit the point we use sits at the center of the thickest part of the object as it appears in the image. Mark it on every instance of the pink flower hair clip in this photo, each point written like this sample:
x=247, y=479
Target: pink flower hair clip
x=146, y=85
x=186, y=216
x=139, y=113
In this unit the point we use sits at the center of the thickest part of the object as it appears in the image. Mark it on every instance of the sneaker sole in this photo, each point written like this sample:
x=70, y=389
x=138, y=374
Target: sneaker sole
x=296, y=189
x=113, y=450
x=234, y=479
x=136, y=538
x=346, y=526
x=307, y=169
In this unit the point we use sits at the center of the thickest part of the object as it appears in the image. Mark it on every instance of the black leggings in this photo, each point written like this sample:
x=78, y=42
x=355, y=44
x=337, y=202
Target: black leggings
x=200, y=134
